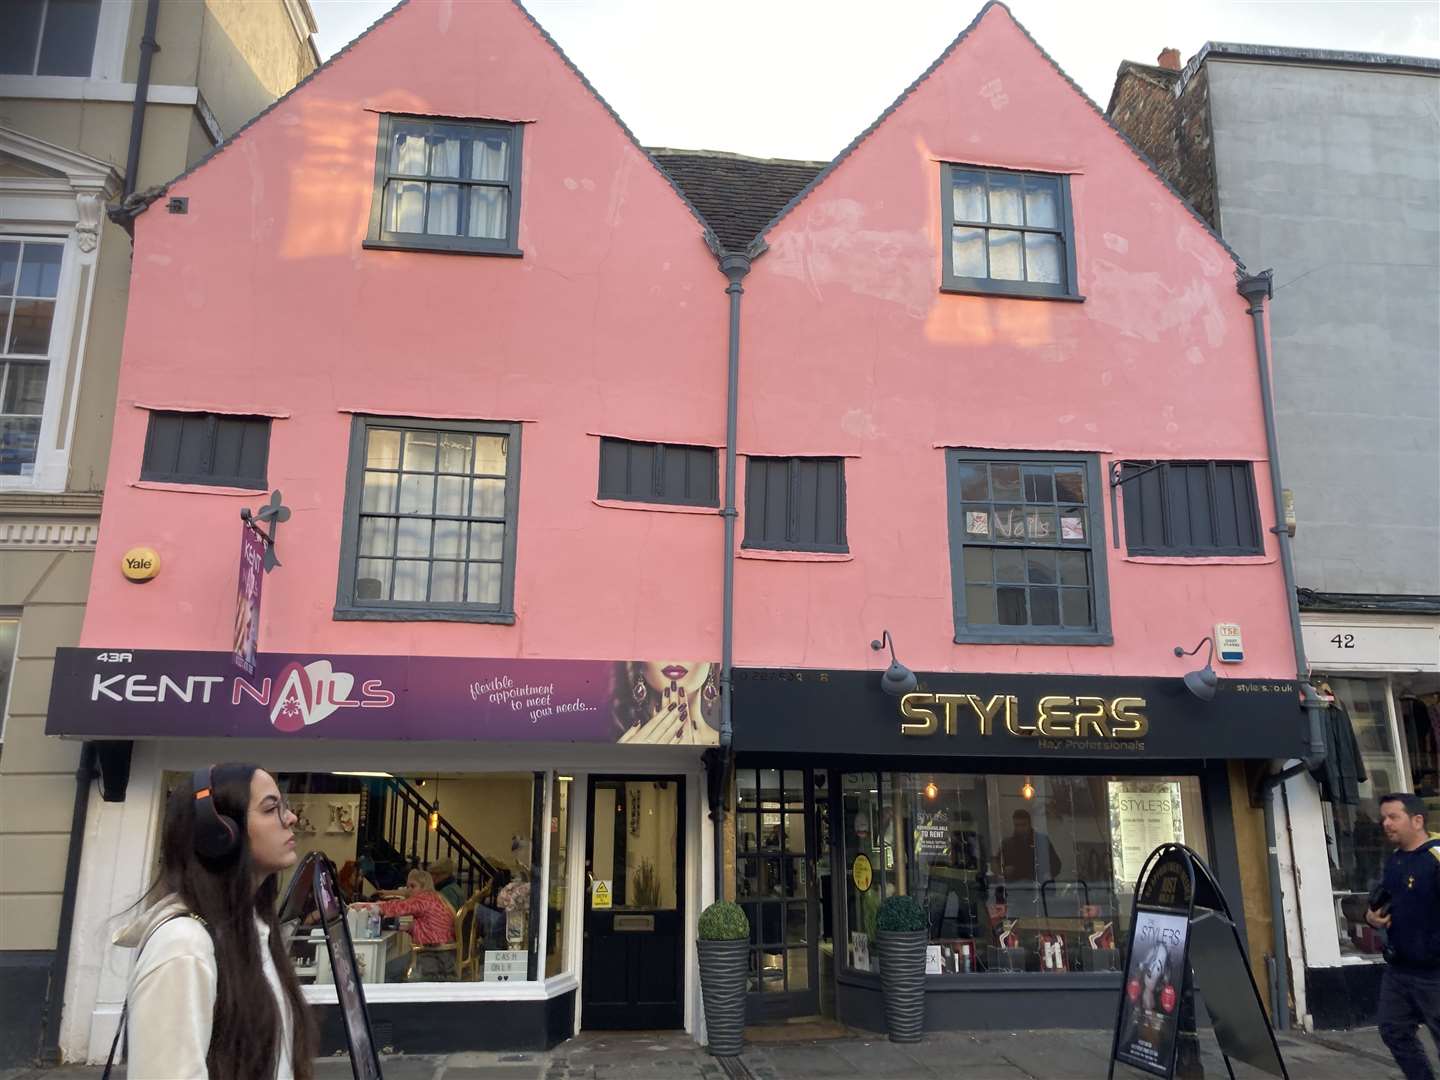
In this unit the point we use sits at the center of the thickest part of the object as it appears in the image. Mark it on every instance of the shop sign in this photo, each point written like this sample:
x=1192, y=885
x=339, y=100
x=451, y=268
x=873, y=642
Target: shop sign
x=127, y=694
x=1057, y=716
x=247, y=597
x=862, y=873
x=1336, y=643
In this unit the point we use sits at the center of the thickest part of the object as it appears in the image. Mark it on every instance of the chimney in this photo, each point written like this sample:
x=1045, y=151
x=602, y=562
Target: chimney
x=1169, y=59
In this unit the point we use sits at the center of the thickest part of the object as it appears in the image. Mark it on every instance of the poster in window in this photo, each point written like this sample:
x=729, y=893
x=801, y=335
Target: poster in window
x=1143, y=815
x=1150, y=1009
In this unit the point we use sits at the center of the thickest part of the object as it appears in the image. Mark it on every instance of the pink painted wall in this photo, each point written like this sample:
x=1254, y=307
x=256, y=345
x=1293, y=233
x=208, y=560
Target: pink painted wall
x=262, y=299
x=850, y=348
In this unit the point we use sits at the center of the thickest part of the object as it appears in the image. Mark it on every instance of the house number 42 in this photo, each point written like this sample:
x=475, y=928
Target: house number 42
x=1343, y=641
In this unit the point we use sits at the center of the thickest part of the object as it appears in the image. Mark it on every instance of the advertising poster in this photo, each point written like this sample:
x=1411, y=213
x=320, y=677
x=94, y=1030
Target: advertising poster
x=247, y=598
x=1150, y=1009
x=1143, y=815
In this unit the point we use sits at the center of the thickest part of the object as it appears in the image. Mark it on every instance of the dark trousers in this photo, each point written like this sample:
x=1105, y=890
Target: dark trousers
x=1407, y=1000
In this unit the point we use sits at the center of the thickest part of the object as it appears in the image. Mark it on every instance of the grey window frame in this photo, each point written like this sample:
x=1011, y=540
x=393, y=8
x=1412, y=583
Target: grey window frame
x=657, y=494
x=792, y=502
x=1100, y=633
x=381, y=239
x=1130, y=501
x=347, y=607
x=1029, y=290
x=207, y=477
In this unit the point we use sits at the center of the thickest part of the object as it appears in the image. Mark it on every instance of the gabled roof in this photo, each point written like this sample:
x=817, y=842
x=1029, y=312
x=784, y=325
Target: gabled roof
x=736, y=194
x=80, y=171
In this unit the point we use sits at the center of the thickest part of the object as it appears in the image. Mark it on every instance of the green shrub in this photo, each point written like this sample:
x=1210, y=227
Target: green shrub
x=901, y=914
x=724, y=921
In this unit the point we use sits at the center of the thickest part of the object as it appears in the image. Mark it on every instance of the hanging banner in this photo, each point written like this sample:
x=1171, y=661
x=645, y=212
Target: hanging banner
x=247, y=598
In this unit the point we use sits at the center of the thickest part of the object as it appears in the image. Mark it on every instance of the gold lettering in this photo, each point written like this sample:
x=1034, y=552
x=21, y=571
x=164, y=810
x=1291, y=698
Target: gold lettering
x=1129, y=722
x=1053, y=716
x=1012, y=718
x=1090, y=715
x=986, y=711
x=951, y=701
x=924, y=721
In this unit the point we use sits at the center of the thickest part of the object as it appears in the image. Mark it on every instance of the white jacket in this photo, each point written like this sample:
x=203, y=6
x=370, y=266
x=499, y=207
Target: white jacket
x=171, y=997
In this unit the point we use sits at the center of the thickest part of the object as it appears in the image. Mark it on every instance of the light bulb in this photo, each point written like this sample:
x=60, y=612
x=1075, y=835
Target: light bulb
x=435, y=819
x=931, y=791
x=1027, y=791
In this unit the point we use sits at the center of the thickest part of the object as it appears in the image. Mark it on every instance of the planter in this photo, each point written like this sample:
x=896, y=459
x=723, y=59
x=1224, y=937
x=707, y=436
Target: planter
x=902, y=981
x=722, y=989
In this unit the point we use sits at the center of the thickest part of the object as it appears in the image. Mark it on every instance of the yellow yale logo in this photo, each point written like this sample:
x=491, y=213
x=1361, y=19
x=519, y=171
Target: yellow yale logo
x=140, y=563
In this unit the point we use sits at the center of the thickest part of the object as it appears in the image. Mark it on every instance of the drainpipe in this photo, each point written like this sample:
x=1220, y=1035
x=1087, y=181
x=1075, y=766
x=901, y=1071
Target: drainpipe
x=148, y=48
x=1257, y=288
x=735, y=267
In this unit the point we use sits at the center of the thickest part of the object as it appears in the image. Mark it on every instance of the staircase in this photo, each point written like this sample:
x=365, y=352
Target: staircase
x=396, y=817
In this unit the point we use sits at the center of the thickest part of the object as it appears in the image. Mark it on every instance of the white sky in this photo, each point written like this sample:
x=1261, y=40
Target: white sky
x=801, y=78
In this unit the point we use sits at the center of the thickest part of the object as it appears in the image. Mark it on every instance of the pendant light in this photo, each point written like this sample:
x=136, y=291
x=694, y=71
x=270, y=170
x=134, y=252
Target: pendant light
x=435, y=807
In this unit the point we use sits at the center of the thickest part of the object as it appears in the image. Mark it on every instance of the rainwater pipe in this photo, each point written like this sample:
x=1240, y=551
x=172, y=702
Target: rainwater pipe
x=1257, y=288
x=148, y=48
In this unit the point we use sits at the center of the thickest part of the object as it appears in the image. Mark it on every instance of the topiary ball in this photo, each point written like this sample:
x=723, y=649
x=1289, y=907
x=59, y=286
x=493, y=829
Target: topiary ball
x=901, y=915
x=724, y=921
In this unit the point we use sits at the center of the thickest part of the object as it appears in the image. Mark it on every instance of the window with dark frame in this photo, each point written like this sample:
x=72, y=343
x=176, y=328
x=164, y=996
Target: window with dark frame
x=446, y=185
x=1007, y=233
x=430, y=521
x=795, y=504
x=658, y=473
x=49, y=37
x=1025, y=531
x=207, y=448
x=1193, y=508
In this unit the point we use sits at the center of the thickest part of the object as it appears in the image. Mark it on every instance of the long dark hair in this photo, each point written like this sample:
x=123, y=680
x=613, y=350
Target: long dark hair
x=245, y=1035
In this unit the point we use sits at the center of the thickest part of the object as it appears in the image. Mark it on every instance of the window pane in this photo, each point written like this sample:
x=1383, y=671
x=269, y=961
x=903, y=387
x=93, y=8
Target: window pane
x=69, y=44
x=411, y=580
x=9, y=266
x=408, y=153
x=443, y=218
x=977, y=564
x=1042, y=258
x=40, y=271
x=1074, y=569
x=1040, y=525
x=19, y=437
x=482, y=584
x=488, y=498
x=446, y=582
x=1006, y=261
x=977, y=521
x=450, y=495
x=377, y=536
x=490, y=157
x=379, y=493
x=487, y=540
x=1039, y=485
x=455, y=451
x=1072, y=523
x=1005, y=201
x=1010, y=603
x=980, y=605
x=1075, y=607
x=1070, y=483
x=372, y=579
x=974, y=486
x=1040, y=567
x=1009, y=565
x=417, y=494
x=1005, y=482
x=404, y=206
x=1044, y=607
x=24, y=388
x=490, y=455
x=444, y=156
x=22, y=32
x=489, y=212
x=557, y=946
x=967, y=253
x=1008, y=523
x=1042, y=202
x=745, y=788
x=449, y=540
x=30, y=327
x=382, y=449
x=413, y=537
x=969, y=196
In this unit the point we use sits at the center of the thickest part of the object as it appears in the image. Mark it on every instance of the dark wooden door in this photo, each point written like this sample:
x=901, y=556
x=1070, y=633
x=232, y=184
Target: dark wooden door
x=777, y=885
x=635, y=903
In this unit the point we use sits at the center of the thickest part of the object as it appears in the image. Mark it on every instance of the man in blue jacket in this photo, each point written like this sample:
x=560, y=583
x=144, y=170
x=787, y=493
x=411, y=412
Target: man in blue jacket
x=1409, y=909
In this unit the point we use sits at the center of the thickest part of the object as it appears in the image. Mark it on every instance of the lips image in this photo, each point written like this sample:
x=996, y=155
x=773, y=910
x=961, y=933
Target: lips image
x=674, y=671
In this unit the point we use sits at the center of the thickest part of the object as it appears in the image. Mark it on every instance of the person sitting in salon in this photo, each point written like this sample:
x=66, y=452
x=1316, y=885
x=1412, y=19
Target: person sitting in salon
x=443, y=871
x=434, y=924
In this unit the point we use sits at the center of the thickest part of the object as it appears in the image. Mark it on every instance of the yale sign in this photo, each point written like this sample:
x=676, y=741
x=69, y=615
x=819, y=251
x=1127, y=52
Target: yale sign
x=140, y=563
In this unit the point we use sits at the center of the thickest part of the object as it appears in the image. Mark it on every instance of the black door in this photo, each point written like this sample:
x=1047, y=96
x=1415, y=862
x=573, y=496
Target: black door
x=635, y=903
x=777, y=884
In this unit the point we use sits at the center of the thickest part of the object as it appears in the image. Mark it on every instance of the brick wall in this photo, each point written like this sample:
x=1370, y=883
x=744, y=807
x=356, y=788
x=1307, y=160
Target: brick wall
x=1173, y=132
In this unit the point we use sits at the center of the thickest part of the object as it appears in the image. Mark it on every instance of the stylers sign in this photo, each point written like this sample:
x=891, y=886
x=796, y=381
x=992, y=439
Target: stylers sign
x=1057, y=720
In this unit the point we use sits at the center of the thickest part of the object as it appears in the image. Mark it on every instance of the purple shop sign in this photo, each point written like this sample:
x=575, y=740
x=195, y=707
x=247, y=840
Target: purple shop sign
x=123, y=695
x=247, y=597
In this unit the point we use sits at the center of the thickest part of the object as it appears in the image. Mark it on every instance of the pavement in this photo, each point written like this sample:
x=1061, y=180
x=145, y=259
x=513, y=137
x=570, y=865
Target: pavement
x=989, y=1055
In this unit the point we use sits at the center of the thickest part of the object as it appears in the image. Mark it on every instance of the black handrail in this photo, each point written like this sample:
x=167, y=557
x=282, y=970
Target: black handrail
x=408, y=832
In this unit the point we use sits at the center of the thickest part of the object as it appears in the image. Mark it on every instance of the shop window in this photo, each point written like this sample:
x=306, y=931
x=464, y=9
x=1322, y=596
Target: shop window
x=1009, y=233
x=1015, y=873
x=206, y=448
x=795, y=504
x=9, y=639
x=49, y=37
x=430, y=521
x=446, y=185
x=658, y=473
x=1026, y=548
x=29, y=292
x=1191, y=508
x=557, y=947
x=773, y=851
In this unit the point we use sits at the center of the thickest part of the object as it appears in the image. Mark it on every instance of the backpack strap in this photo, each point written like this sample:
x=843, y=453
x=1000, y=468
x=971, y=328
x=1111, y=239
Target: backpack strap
x=125, y=1008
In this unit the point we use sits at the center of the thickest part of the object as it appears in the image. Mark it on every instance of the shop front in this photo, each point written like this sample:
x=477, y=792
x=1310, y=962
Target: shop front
x=1017, y=809
x=556, y=805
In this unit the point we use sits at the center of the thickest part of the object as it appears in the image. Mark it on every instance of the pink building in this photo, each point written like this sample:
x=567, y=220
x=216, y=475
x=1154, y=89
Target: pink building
x=997, y=395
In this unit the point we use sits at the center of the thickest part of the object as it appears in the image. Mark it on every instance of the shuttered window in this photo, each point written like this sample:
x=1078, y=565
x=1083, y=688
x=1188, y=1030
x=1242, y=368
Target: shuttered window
x=206, y=448
x=795, y=504
x=658, y=473
x=1191, y=508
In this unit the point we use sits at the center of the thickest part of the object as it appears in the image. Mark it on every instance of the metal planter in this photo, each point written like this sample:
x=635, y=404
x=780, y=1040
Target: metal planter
x=722, y=990
x=902, y=982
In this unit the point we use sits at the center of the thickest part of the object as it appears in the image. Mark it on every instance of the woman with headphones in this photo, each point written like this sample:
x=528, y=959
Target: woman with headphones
x=212, y=993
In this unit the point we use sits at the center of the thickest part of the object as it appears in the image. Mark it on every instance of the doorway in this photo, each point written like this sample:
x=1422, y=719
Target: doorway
x=634, y=975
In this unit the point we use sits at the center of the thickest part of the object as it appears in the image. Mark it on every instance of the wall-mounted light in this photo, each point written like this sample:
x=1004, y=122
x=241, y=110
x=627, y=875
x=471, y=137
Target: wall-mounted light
x=898, y=679
x=1201, y=683
x=1027, y=789
x=931, y=791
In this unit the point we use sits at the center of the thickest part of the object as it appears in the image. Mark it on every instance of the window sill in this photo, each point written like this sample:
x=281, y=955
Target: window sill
x=995, y=294
x=982, y=638
x=657, y=508
x=1200, y=560
x=766, y=555
x=432, y=249
x=379, y=614
x=199, y=489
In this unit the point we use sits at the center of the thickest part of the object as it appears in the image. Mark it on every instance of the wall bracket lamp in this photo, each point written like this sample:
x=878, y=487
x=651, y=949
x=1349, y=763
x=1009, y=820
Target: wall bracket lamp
x=898, y=679
x=1201, y=683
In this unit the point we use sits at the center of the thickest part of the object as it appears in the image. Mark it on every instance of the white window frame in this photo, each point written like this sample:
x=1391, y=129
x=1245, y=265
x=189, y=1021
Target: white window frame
x=65, y=205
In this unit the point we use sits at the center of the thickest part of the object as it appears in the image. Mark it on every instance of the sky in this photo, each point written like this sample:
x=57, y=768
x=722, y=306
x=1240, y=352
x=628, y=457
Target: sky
x=801, y=78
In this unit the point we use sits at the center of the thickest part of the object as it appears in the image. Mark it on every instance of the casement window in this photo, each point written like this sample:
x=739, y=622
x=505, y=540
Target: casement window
x=206, y=448
x=658, y=473
x=1026, y=548
x=446, y=185
x=29, y=288
x=49, y=37
x=1191, y=508
x=795, y=504
x=430, y=516
x=1007, y=233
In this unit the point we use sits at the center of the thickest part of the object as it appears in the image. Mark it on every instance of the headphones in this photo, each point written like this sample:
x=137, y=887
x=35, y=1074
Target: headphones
x=216, y=834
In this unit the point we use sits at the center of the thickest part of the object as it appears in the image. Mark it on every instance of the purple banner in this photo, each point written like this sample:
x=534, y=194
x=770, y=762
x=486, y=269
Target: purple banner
x=247, y=597
x=127, y=694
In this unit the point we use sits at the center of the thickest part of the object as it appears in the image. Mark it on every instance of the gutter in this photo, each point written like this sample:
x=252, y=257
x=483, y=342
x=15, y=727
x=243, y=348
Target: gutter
x=123, y=213
x=1257, y=288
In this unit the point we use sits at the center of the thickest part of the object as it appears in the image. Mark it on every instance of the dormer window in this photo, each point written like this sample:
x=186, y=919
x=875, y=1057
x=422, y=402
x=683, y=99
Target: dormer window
x=1007, y=233
x=446, y=185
